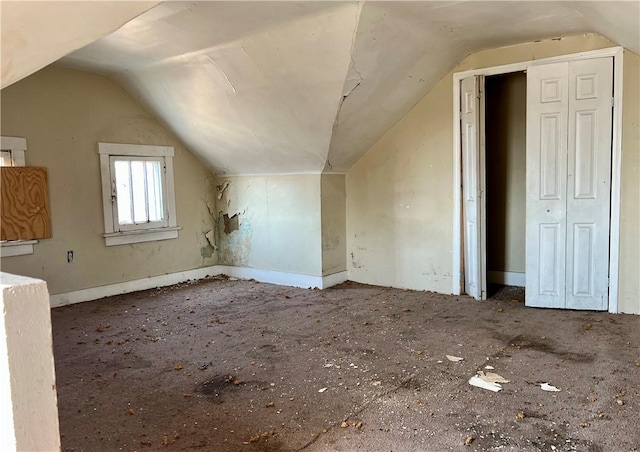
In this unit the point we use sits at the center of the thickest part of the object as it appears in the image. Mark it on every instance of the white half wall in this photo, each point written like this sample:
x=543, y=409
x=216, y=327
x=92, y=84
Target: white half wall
x=29, y=408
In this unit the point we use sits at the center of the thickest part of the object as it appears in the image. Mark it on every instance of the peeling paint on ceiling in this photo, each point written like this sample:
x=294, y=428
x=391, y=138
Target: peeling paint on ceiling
x=294, y=87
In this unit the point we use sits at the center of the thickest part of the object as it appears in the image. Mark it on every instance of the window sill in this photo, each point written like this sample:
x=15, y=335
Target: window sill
x=17, y=248
x=142, y=235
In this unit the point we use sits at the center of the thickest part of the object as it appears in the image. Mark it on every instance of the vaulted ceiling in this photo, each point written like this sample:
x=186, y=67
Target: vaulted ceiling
x=289, y=87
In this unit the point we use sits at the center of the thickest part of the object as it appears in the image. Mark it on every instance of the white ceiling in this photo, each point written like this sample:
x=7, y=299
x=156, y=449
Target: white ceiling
x=283, y=87
x=36, y=33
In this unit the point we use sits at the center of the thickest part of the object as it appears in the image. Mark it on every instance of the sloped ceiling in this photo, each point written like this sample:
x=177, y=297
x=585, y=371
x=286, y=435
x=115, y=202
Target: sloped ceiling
x=292, y=87
x=35, y=34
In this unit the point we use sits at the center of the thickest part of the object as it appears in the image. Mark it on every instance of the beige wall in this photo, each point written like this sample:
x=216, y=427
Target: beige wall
x=399, y=208
x=334, y=227
x=63, y=114
x=505, y=129
x=629, y=294
x=278, y=223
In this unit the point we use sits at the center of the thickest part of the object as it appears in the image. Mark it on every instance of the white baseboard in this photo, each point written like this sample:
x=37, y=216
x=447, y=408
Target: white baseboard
x=283, y=278
x=506, y=278
x=93, y=293
x=266, y=276
x=334, y=279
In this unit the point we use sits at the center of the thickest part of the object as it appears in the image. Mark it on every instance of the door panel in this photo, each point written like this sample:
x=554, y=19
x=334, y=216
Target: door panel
x=550, y=252
x=569, y=118
x=582, y=257
x=473, y=184
x=547, y=110
x=550, y=162
x=589, y=182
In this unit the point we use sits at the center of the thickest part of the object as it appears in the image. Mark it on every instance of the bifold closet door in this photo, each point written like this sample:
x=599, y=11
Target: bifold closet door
x=546, y=209
x=473, y=187
x=569, y=115
x=589, y=183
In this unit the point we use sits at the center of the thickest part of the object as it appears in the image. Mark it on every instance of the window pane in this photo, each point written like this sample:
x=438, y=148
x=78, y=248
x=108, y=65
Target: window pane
x=154, y=191
x=123, y=192
x=139, y=189
x=5, y=158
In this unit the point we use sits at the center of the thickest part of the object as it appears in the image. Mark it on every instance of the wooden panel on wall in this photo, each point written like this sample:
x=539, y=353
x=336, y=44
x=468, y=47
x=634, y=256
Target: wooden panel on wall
x=24, y=203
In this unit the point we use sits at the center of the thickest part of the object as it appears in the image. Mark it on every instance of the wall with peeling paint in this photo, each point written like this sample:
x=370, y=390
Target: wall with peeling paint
x=399, y=204
x=270, y=222
x=334, y=223
x=63, y=114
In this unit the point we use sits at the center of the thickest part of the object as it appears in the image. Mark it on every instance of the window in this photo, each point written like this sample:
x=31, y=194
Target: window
x=137, y=192
x=5, y=158
x=12, y=150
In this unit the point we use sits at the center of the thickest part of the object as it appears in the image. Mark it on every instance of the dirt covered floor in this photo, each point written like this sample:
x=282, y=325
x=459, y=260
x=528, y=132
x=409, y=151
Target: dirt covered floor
x=221, y=365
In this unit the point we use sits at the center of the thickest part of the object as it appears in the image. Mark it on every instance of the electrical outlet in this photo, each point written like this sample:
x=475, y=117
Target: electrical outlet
x=69, y=256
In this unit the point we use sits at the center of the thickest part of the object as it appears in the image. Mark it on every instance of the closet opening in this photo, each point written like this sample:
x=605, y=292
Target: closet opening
x=505, y=119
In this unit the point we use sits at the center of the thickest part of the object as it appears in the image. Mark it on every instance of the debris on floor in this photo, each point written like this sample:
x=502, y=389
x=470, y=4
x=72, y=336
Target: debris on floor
x=455, y=359
x=259, y=358
x=480, y=383
x=548, y=387
x=491, y=377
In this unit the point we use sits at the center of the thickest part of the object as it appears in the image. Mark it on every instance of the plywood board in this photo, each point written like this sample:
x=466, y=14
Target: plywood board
x=24, y=204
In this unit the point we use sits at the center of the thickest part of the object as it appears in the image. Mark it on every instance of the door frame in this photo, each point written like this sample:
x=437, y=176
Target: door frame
x=616, y=160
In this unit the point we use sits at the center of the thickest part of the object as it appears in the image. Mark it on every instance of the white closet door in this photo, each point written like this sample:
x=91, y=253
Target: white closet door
x=569, y=117
x=473, y=186
x=547, y=112
x=589, y=183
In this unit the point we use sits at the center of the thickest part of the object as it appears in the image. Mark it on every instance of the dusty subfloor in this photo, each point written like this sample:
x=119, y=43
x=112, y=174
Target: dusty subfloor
x=223, y=365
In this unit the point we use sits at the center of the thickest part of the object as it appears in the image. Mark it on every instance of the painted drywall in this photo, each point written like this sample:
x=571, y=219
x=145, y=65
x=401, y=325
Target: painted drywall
x=629, y=294
x=35, y=34
x=270, y=222
x=505, y=128
x=334, y=223
x=400, y=206
x=27, y=375
x=63, y=114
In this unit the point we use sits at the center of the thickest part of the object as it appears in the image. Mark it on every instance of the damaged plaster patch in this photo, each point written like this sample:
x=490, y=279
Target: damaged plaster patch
x=207, y=235
x=230, y=223
x=220, y=190
x=207, y=251
x=233, y=236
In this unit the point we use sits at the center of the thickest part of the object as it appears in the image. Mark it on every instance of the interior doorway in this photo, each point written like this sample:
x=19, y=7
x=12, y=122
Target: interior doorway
x=505, y=114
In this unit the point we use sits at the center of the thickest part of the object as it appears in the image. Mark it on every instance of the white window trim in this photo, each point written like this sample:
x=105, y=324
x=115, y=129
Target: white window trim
x=113, y=237
x=17, y=146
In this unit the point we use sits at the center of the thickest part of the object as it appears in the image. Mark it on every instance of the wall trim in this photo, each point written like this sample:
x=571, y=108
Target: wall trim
x=94, y=293
x=334, y=279
x=283, y=278
x=293, y=173
x=17, y=248
x=616, y=53
x=507, y=278
x=260, y=275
